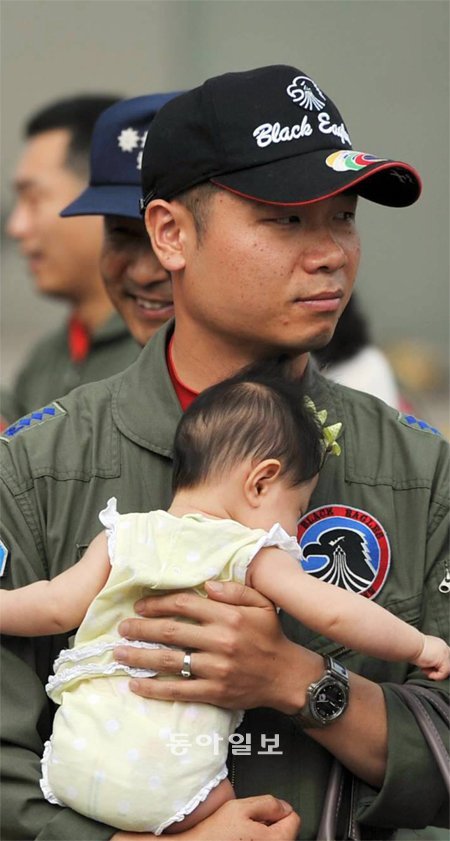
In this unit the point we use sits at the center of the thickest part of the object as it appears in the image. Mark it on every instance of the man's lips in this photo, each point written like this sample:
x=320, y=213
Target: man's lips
x=152, y=304
x=154, y=308
x=34, y=260
x=326, y=301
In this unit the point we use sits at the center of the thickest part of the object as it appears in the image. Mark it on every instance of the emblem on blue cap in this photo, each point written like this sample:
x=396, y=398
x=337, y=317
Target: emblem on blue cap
x=129, y=140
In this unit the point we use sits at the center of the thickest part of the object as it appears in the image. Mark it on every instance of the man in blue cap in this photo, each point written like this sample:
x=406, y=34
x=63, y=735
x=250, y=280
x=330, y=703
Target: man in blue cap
x=137, y=284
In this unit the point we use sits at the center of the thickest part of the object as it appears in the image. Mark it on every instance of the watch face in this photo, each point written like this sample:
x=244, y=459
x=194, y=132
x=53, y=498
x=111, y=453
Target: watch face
x=330, y=700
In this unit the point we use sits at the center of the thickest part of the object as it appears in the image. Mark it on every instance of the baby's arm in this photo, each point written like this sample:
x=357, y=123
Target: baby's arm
x=51, y=607
x=345, y=617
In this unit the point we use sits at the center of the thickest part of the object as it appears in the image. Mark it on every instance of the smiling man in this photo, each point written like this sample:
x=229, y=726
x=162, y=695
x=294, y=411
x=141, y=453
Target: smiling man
x=136, y=283
x=249, y=197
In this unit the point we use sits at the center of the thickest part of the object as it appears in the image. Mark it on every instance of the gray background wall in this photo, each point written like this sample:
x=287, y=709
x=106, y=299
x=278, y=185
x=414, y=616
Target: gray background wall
x=385, y=62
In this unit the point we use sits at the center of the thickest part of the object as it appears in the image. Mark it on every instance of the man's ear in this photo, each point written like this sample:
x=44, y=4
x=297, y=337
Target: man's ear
x=260, y=480
x=165, y=222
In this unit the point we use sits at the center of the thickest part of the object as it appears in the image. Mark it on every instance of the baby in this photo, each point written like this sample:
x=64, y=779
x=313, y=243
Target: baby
x=247, y=457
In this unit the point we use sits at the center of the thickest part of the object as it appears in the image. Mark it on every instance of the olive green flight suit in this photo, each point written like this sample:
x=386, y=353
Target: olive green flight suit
x=114, y=438
x=49, y=371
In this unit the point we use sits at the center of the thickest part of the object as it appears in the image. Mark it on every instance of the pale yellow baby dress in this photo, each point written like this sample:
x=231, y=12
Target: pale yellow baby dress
x=133, y=763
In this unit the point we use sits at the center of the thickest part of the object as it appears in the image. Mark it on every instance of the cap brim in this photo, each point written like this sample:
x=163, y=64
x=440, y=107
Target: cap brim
x=107, y=200
x=308, y=178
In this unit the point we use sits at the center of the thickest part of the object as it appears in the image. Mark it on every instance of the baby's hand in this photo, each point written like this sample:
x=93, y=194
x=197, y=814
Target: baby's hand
x=434, y=658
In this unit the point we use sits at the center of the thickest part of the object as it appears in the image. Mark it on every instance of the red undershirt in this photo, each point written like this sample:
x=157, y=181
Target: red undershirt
x=79, y=340
x=79, y=343
x=184, y=393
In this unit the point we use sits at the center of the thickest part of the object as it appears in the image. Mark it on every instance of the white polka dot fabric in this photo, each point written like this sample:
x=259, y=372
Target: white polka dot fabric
x=133, y=763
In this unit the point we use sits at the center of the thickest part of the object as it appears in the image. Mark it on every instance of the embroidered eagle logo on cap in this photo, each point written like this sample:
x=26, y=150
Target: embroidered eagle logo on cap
x=306, y=94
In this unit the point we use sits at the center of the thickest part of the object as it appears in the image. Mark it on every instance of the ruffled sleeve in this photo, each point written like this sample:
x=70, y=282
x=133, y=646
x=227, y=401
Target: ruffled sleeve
x=108, y=518
x=277, y=536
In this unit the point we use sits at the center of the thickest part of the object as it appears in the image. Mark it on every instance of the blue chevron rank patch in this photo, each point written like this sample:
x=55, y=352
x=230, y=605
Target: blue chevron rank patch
x=410, y=420
x=33, y=419
x=3, y=558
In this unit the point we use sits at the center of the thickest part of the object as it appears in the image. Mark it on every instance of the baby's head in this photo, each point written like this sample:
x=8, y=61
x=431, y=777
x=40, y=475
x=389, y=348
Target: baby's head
x=257, y=427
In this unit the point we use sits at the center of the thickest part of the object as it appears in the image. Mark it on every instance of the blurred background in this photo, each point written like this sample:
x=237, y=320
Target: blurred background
x=385, y=63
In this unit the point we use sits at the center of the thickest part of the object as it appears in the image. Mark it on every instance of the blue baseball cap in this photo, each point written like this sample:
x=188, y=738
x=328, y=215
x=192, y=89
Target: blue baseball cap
x=116, y=156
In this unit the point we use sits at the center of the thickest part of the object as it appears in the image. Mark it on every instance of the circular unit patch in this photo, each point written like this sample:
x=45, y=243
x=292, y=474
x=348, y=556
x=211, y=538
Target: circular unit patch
x=346, y=547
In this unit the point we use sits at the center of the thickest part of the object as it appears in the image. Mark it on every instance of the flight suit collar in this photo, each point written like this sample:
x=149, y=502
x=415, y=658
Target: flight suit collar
x=146, y=408
x=324, y=394
x=144, y=405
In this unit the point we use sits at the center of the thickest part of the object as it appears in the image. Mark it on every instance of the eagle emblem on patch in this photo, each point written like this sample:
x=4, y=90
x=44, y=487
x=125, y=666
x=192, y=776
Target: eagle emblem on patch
x=33, y=419
x=345, y=546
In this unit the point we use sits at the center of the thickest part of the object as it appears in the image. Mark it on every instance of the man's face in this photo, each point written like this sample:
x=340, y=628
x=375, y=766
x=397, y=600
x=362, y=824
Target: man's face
x=269, y=278
x=139, y=287
x=62, y=254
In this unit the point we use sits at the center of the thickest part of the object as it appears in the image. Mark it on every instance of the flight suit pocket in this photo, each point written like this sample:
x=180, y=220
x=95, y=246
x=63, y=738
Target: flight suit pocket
x=409, y=610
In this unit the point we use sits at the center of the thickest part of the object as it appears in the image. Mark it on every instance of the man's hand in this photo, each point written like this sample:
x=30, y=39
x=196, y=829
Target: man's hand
x=264, y=818
x=241, y=658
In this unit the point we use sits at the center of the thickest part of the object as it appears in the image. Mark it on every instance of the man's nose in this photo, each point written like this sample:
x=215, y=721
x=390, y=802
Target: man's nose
x=324, y=252
x=18, y=223
x=145, y=268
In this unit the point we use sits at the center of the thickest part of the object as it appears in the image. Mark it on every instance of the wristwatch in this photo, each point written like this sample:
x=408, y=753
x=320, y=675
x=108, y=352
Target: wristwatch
x=327, y=698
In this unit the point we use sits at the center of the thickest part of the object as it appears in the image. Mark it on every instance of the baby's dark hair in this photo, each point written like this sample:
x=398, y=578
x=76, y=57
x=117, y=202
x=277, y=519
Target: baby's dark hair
x=260, y=413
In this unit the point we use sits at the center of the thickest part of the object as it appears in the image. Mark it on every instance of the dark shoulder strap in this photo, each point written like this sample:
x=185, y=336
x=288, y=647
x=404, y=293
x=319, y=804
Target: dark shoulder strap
x=440, y=704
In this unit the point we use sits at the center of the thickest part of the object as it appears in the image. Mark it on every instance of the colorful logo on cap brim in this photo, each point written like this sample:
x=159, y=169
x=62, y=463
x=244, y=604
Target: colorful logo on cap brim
x=345, y=160
x=347, y=547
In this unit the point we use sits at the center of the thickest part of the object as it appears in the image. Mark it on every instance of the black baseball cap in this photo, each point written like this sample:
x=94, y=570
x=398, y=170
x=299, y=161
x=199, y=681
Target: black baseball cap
x=116, y=155
x=271, y=135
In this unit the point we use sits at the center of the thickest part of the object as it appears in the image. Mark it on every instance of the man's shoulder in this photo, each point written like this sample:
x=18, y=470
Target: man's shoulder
x=383, y=443
x=67, y=438
x=37, y=378
x=373, y=411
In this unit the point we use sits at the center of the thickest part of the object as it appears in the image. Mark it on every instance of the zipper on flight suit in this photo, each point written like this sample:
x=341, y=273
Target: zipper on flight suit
x=444, y=586
x=233, y=770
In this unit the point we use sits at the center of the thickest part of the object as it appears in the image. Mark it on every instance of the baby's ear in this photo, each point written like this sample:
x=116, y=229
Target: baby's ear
x=260, y=479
